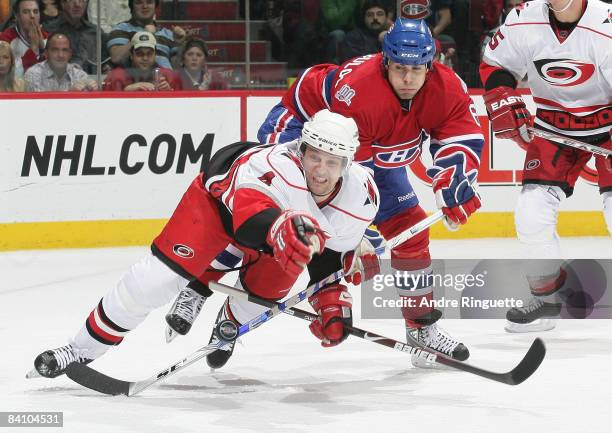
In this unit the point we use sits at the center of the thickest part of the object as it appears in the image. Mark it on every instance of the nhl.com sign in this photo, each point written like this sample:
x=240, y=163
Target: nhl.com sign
x=81, y=155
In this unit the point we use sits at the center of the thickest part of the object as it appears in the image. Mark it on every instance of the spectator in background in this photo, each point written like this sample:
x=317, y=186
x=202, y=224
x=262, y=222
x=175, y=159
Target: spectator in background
x=494, y=13
x=437, y=13
x=144, y=73
x=194, y=73
x=81, y=32
x=143, y=19
x=57, y=73
x=440, y=17
x=8, y=81
x=446, y=57
x=367, y=38
x=49, y=10
x=273, y=31
x=337, y=18
x=111, y=13
x=5, y=11
x=26, y=37
x=293, y=31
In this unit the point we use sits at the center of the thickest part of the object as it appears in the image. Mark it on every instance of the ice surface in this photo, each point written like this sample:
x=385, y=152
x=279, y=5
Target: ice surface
x=280, y=379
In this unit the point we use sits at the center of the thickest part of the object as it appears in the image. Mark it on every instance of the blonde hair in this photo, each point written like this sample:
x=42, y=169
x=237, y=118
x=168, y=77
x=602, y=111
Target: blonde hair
x=8, y=83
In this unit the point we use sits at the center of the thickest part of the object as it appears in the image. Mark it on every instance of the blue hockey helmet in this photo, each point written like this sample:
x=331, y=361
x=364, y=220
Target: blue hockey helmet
x=409, y=42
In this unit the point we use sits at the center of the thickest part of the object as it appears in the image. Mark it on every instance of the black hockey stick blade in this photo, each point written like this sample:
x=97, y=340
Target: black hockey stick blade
x=93, y=379
x=528, y=365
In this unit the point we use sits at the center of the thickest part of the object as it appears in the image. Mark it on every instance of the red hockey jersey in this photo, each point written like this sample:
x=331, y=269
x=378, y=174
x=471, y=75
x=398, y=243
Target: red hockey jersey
x=391, y=132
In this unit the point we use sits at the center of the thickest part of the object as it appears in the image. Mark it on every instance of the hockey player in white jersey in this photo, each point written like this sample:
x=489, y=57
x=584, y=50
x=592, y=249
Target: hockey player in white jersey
x=304, y=204
x=564, y=49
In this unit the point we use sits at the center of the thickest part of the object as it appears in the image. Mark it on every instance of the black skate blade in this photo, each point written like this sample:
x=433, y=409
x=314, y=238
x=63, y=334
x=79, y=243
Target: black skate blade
x=92, y=379
x=529, y=364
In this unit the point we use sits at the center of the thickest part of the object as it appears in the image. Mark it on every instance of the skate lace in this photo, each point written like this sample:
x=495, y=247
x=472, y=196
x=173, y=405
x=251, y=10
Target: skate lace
x=189, y=305
x=436, y=338
x=64, y=356
x=533, y=305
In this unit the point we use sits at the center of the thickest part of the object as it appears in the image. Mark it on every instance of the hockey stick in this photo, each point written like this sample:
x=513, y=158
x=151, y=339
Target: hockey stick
x=387, y=245
x=411, y=232
x=93, y=379
x=525, y=368
x=576, y=144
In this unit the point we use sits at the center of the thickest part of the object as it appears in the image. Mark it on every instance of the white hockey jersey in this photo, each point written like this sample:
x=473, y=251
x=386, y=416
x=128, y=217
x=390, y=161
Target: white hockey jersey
x=276, y=171
x=571, y=81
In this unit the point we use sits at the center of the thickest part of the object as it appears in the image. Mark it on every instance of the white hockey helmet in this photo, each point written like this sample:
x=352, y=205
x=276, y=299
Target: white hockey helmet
x=332, y=133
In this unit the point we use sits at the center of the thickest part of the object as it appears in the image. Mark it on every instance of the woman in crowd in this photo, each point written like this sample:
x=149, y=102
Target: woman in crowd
x=8, y=81
x=194, y=72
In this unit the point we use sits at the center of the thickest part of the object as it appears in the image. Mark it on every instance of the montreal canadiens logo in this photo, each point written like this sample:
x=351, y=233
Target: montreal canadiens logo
x=415, y=9
x=564, y=72
x=398, y=155
x=183, y=251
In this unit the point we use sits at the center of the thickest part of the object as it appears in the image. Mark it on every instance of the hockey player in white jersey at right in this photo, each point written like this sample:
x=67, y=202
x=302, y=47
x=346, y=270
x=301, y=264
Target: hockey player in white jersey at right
x=564, y=49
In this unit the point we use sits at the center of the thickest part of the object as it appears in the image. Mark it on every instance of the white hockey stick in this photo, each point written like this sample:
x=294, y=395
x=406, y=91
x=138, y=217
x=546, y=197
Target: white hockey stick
x=411, y=232
x=576, y=144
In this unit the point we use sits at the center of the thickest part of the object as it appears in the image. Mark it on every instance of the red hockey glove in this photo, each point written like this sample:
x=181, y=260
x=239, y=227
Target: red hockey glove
x=508, y=114
x=333, y=304
x=454, y=175
x=362, y=263
x=294, y=238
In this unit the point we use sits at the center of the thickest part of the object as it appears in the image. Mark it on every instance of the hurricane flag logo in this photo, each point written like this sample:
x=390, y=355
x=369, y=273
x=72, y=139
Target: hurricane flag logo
x=564, y=72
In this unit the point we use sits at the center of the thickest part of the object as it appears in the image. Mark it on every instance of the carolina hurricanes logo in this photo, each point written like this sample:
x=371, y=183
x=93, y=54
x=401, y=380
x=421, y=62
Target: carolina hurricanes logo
x=183, y=251
x=564, y=72
x=609, y=19
x=398, y=155
x=415, y=9
x=267, y=178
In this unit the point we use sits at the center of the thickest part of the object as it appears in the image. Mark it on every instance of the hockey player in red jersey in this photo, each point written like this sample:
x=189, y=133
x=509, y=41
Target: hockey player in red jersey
x=563, y=48
x=304, y=204
x=399, y=99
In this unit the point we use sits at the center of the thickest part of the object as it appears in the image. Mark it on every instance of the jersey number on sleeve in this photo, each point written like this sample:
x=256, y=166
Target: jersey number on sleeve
x=495, y=40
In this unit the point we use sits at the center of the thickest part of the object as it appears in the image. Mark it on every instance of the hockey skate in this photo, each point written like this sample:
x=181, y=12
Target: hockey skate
x=536, y=316
x=183, y=313
x=53, y=363
x=219, y=358
x=434, y=337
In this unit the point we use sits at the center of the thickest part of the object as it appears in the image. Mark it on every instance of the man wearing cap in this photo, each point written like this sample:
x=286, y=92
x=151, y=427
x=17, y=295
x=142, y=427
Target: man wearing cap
x=144, y=73
x=143, y=19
